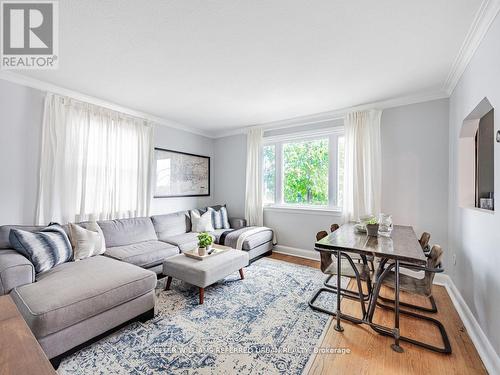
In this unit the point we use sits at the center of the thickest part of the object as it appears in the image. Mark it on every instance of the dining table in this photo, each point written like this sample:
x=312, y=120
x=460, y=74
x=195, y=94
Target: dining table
x=400, y=248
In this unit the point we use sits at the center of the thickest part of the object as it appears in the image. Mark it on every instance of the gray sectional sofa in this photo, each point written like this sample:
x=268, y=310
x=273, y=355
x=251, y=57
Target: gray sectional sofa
x=75, y=302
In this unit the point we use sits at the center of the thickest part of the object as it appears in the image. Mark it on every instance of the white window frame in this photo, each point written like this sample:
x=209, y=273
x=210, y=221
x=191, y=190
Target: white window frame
x=333, y=135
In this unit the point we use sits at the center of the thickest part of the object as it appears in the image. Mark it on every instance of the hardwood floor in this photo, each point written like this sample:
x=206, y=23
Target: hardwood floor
x=370, y=353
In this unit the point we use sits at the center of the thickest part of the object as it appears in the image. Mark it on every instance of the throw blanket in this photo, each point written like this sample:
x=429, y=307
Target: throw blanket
x=236, y=237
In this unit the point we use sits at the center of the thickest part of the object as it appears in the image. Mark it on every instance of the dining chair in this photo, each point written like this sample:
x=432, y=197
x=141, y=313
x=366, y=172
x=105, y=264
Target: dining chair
x=359, y=258
x=329, y=267
x=320, y=235
x=424, y=242
x=422, y=287
x=359, y=271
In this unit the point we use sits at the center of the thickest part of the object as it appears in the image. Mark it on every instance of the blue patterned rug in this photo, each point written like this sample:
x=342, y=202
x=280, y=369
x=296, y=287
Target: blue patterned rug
x=259, y=325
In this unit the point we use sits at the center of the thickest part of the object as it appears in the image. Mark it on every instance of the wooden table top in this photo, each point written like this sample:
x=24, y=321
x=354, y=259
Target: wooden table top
x=402, y=245
x=20, y=353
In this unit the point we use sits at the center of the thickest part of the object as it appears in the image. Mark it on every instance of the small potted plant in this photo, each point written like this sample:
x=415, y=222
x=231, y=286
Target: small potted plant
x=204, y=243
x=372, y=227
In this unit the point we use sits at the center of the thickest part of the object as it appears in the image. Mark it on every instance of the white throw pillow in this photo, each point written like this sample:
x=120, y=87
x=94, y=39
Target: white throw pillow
x=86, y=242
x=201, y=223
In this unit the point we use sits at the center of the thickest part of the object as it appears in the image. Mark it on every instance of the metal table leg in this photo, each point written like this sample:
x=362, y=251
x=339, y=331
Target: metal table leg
x=338, y=327
x=396, y=346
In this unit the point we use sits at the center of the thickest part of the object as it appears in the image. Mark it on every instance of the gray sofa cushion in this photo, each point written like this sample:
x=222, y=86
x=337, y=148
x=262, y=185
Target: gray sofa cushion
x=171, y=224
x=185, y=241
x=5, y=231
x=217, y=233
x=251, y=241
x=143, y=254
x=75, y=291
x=257, y=239
x=237, y=223
x=15, y=270
x=127, y=231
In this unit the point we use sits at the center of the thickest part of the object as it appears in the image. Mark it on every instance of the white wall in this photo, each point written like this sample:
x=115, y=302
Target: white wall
x=297, y=229
x=474, y=236
x=414, y=177
x=415, y=167
x=21, y=111
x=230, y=173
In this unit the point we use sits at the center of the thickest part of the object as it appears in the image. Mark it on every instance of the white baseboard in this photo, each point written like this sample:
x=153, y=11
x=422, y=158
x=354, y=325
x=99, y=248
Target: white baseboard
x=301, y=253
x=483, y=346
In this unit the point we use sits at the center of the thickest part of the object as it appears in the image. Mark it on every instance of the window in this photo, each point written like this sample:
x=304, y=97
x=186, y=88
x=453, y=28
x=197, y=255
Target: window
x=269, y=174
x=304, y=171
x=95, y=163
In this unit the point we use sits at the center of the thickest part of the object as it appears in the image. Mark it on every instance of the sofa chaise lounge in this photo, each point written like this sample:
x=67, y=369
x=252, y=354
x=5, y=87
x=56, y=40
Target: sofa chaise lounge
x=73, y=303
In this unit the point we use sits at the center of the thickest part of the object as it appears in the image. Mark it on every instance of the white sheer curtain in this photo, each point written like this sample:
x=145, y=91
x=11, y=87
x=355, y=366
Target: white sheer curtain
x=253, y=202
x=363, y=169
x=95, y=163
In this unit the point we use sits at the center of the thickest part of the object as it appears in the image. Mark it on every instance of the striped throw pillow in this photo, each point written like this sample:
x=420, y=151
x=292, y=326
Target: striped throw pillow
x=45, y=249
x=219, y=218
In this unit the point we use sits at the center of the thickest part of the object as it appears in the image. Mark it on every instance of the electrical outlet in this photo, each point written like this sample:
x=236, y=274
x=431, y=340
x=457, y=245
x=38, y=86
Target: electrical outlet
x=454, y=259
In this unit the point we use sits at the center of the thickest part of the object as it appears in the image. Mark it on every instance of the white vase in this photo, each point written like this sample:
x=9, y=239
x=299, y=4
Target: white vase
x=202, y=251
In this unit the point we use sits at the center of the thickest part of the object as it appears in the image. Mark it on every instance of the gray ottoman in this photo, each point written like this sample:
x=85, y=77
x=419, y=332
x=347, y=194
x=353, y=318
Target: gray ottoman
x=203, y=273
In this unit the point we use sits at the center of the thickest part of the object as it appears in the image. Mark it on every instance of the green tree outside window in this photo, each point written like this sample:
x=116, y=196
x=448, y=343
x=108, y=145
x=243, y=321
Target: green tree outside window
x=306, y=172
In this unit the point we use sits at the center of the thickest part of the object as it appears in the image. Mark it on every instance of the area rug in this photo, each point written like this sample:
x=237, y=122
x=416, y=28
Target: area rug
x=259, y=325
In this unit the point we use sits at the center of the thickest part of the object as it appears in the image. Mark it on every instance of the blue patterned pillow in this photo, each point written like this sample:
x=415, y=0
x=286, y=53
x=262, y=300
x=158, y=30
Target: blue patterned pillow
x=219, y=218
x=45, y=249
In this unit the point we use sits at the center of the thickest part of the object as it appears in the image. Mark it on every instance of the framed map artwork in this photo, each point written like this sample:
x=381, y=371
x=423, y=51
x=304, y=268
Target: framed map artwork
x=179, y=174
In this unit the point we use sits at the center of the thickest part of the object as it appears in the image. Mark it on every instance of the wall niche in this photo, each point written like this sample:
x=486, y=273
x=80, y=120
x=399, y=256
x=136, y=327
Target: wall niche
x=476, y=168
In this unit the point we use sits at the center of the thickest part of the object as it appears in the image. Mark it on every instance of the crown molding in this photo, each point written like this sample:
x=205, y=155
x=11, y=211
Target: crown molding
x=480, y=25
x=46, y=86
x=338, y=114
x=281, y=124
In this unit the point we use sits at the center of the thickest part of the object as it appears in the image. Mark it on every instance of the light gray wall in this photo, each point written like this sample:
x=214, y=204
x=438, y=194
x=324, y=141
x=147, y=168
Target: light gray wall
x=21, y=111
x=178, y=140
x=230, y=173
x=414, y=177
x=415, y=167
x=297, y=229
x=474, y=235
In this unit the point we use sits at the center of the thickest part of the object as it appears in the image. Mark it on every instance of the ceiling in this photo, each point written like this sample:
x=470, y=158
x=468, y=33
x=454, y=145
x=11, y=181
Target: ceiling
x=220, y=65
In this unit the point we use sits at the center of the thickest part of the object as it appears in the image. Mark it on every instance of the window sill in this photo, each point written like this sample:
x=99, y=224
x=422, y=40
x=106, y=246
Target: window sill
x=307, y=210
x=480, y=210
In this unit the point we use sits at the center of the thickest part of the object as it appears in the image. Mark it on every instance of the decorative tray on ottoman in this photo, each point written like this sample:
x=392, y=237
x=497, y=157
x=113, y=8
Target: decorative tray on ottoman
x=216, y=250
